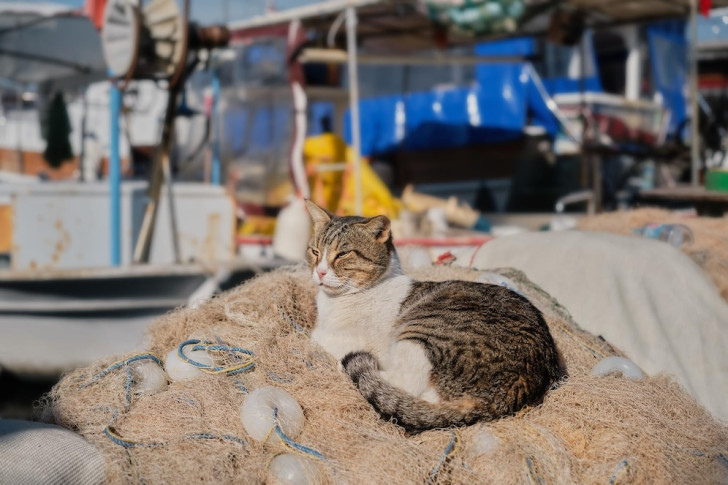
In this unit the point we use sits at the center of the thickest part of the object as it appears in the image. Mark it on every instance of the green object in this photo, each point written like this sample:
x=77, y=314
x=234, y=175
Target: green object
x=58, y=146
x=477, y=17
x=716, y=179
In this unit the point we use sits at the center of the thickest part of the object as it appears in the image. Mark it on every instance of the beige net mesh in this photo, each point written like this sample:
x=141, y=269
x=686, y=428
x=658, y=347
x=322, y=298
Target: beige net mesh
x=588, y=430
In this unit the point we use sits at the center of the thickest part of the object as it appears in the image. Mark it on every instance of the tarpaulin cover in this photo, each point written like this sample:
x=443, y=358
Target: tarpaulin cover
x=668, y=59
x=495, y=109
x=442, y=118
x=446, y=118
x=43, y=42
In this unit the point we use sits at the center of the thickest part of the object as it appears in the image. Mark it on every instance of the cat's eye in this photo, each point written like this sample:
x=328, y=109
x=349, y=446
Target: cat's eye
x=342, y=254
x=314, y=252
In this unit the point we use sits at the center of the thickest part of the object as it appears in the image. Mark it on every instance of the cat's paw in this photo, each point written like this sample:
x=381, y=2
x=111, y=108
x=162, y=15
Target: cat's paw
x=356, y=364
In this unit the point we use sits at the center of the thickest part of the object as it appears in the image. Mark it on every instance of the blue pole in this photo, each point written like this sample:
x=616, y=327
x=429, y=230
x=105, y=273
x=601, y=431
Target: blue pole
x=215, y=169
x=115, y=175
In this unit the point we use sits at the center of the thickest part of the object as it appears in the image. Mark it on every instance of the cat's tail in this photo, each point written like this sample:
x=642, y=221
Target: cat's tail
x=410, y=412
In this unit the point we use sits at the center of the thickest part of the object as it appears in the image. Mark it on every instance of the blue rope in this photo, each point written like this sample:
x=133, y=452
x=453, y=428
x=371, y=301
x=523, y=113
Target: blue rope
x=240, y=386
x=445, y=455
x=210, y=436
x=198, y=345
x=127, y=386
x=288, y=441
x=532, y=476
x=290, y=320
x=276, y=378
x=234, y=439
x=305, y=361
x=115, y=438
x=121, y=363
x=621, y=468
x=722, y=459
x=111, y=434
x=293, y=324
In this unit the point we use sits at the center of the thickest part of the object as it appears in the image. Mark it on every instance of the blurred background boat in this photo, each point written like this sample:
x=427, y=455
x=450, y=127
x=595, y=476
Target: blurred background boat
x=149, y=160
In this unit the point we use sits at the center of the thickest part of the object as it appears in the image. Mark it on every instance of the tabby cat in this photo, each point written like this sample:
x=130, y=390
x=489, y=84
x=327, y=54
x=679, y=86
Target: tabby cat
x=425, y=354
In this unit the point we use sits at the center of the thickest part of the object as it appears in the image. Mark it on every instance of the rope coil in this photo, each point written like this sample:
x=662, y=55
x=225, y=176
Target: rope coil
x=197, y=344
x=119, y=364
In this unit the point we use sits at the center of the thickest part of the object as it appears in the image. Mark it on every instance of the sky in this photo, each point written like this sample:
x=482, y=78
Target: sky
x=209, y=12
x=213, y=11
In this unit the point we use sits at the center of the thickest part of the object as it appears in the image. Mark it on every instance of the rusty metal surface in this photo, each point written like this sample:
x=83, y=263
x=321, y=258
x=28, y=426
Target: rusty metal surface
x=64, y=226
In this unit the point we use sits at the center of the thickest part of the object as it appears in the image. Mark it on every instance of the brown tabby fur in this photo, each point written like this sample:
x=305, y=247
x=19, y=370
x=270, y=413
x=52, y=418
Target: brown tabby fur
x=490, y=349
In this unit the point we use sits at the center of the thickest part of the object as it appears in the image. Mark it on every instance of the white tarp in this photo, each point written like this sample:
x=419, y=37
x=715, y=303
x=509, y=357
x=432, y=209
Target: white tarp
x=645, y=297
x=45, y=41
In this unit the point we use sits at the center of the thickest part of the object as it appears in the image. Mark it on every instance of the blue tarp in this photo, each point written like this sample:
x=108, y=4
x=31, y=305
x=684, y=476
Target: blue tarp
x=447, y=118
x=495, y=109
x=669, y=62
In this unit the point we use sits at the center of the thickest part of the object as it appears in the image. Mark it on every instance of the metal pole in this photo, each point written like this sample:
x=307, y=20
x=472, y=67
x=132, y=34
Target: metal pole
x=215, y=122
x=19, y=128
x=115, y=175
x=633, y=79
x=354, y=107
x=694, y=114
x=84, y=116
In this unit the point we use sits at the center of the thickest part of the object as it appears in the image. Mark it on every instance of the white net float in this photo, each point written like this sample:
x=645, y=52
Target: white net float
x=483, y=442
x=291, y=469
x=617, y=364
x=180, y=370
x=149, y=377
x=268, y=407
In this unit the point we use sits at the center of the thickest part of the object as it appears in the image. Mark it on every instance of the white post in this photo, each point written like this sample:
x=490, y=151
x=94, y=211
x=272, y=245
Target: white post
x=354, y=107
x=634, y=63
x=693, y=84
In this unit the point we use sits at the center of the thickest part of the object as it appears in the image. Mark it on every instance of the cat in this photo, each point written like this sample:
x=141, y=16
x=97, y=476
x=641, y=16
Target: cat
x=424, y=354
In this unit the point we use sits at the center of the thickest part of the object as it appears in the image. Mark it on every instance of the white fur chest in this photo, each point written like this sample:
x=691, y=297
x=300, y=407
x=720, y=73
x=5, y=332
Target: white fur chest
x=361, y=321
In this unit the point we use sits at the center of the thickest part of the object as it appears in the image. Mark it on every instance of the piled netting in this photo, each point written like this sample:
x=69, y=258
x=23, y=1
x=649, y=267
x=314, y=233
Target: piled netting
x=588, y=429
x=709, y=250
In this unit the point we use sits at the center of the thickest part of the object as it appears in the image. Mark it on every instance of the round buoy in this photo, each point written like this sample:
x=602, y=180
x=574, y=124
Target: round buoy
x=179, y=370
x=294, y=470
x=617, y=364
x=148, y=376
x=483, y=442
x=258, y=414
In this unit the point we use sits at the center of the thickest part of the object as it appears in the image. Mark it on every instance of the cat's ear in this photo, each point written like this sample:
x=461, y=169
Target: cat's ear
x=319, y=216
x=380, y=227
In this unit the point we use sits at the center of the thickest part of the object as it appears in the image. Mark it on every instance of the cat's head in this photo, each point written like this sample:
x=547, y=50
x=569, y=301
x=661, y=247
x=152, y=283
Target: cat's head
x=348, y=254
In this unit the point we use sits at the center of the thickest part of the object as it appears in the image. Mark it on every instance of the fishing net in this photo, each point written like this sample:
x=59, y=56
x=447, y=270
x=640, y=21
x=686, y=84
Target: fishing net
x=587, y=430
x=709, y=248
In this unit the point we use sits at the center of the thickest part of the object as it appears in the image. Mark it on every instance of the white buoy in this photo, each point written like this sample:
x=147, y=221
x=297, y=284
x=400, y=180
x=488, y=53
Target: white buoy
x=292, y=469
x=257, y=414
x=491, y=278
x=148, y=376
x=617, y=364
x=293, y=230
x=179, y=370
x=419, y=258
x=483, y=442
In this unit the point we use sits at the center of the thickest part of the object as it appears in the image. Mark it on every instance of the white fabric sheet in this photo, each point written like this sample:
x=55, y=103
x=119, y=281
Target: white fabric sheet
x=643, y=296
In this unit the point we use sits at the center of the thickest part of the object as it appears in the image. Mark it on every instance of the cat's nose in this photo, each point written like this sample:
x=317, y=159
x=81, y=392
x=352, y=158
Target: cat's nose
x=321, y=273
